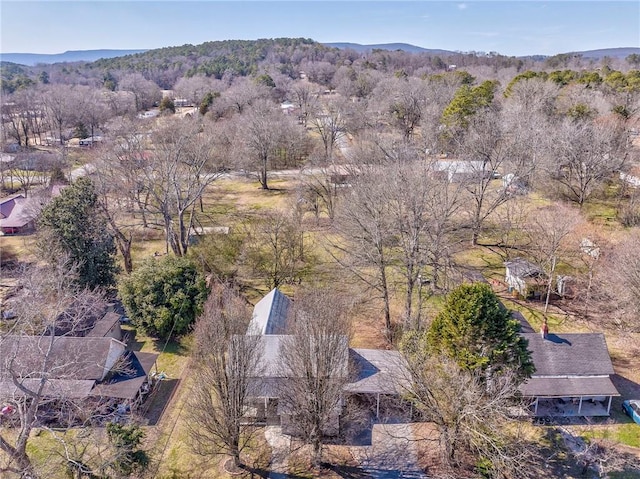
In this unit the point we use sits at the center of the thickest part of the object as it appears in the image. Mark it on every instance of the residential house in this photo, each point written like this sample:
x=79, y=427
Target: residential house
x=379, y=378
x=632, y=177
x=459, y=171
x=525, y=278
x=572, y=377
x=16, y=215
x=91, y=370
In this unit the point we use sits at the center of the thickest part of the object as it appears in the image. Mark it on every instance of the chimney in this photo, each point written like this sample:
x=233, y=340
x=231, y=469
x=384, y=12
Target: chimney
x=544, y=331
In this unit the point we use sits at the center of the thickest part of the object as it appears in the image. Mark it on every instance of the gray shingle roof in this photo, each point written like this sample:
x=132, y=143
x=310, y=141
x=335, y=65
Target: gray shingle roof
x=577, y=354
x=59, y=388
x=69, y=357
x=127, y=383
x=568, y=387
x=102, y=326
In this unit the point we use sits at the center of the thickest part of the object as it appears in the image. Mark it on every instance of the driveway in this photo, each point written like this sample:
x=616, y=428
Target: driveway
x=392, y=454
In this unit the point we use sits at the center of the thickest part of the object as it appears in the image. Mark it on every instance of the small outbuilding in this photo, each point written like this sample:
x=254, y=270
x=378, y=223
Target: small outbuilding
x=525, y=278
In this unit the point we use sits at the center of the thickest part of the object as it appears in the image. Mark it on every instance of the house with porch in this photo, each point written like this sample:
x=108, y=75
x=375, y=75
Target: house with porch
x=98, y=372
x=572, y=377
x=376, y=380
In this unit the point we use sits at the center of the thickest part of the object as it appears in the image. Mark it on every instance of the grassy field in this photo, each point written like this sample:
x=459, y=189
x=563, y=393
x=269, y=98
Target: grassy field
x=236, y=201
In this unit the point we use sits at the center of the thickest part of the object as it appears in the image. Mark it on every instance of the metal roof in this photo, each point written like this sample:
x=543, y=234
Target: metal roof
x=270, y=314
x=378, y=372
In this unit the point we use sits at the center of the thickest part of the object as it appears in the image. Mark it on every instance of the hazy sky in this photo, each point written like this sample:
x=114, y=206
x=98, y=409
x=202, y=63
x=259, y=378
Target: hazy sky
x=511, y=28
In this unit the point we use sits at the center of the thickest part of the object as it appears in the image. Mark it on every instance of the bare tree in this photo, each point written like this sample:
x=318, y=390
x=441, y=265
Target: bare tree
x=93, y=111
x=23, y=116
x=304, y=97
x=485, y=141
x=118, y=166
x=363, y=222
x=227, y=360
x=28, y=169
x=276, y=248
x=57, y=101
x=548, y=229
x=320, y=187
x=26, y=369
x=265, y=134
x=146, y=93
x=422, y=209
x=314, y=364
x=330, y=124
x=195, y=88
x=176, y=174
x=586, y=154
x=472, y=416
x=619, y=279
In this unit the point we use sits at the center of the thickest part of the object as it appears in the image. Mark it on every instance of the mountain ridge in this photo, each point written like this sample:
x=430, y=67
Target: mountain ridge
x=33, y=59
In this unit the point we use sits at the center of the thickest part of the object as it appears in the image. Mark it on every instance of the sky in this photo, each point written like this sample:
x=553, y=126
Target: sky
x=518, y=27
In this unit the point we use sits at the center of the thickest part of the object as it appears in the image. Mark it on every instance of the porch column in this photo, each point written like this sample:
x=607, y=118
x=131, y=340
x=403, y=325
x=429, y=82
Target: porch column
x=535, y=409
x=580, y=406
x=609, y=405
x=378, y=406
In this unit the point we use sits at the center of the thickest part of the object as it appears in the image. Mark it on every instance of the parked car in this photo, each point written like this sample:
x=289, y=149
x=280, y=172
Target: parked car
x=631, y=408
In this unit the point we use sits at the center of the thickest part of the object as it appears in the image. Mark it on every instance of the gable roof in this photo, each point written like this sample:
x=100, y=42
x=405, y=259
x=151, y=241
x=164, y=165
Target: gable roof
x=102, y=326
x=67, y=357
x=576, y=354
x=522, y=268
x=126, y=384
x=270, y=314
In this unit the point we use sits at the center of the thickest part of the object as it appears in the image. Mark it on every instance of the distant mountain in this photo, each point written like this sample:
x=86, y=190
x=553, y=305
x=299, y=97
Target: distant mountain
x=31, y=59
x=623, y=52
x=388, y=46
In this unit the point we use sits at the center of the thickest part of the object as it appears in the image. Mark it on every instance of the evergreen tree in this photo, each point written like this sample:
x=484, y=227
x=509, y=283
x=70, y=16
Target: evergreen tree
x=167, y=105
x=164, y=295
x=126, y=440
x=476, y=330
x=72, y=225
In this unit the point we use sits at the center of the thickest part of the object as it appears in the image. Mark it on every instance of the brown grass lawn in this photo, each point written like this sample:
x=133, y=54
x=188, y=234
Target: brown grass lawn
x=230, y=201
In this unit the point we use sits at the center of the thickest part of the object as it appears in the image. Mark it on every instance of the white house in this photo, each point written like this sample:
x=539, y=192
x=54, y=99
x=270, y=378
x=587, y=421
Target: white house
x=457, y=171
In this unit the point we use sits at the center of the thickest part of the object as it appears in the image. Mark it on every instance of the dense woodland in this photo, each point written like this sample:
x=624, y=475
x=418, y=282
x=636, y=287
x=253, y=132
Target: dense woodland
x=376, y=182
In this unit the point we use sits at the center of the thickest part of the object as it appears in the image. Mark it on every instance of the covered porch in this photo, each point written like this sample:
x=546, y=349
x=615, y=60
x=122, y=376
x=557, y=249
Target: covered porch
x=570, y=407
x=569, y=396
